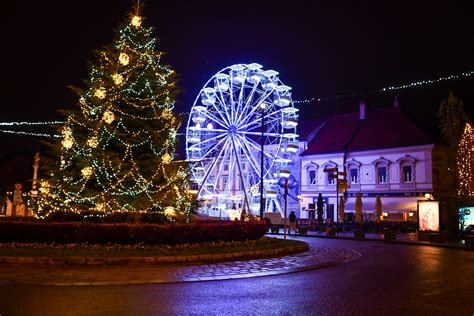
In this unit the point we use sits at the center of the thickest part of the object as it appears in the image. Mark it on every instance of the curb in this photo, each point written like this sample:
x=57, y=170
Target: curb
x=153, y=260
x=404, y=242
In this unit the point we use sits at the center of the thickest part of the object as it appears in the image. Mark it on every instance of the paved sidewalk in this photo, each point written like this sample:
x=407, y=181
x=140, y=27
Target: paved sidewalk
x=316, y=257
x=403, y=238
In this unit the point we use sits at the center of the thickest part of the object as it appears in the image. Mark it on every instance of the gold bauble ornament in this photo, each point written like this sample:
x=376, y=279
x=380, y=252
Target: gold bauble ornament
x=167, y=114
x=170, y=211
x=86, y=172
x=100, y=93
x=118, y=79
x=67, y=142
x=108, y=117
x=92, y=142
x=166, y=158
x=124, y=59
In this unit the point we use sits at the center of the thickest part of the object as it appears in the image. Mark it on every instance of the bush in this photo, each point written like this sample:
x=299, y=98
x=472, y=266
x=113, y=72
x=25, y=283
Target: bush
x=359, y=233
x=389, y=234
x=124, y=233
x=101, y=217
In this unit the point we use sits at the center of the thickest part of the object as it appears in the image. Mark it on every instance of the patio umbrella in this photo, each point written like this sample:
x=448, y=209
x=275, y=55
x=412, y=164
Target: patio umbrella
x=378, y=208
x=358, y=208
x=341, y=209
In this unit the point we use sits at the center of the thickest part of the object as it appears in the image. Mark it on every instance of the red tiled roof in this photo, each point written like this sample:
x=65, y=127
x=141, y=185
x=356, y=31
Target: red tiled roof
x=335, y=134
x=307, y=127
x=382, y=128
x=387, y=128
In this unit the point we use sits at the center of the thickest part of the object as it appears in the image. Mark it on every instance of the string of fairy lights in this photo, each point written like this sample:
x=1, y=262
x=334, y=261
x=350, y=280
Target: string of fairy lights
x=118, y=79
x=413, y=84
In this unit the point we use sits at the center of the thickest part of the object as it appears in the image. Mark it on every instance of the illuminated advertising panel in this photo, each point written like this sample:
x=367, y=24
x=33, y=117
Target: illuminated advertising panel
x=428, y=216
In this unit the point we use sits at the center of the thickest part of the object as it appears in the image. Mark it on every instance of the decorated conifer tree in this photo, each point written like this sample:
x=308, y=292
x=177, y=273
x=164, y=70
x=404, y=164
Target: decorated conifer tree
x=117, y=149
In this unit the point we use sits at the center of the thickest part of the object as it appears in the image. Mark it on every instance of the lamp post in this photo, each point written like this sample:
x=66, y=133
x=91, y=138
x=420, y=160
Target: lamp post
x=263, y=106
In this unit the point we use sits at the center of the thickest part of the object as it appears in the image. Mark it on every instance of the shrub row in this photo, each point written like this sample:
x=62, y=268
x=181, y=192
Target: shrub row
x=150, y=234
x=101, y=217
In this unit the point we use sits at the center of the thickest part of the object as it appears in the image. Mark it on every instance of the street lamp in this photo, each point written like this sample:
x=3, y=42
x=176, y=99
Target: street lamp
x=263, y=107
x=286, y=176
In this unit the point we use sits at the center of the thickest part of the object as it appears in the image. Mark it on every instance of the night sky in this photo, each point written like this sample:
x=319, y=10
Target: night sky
x=320, y=48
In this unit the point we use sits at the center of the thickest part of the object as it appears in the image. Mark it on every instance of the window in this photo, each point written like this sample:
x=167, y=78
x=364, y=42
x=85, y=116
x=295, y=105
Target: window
x=312, y=176
x=224, y=182
x=226, y=167
x=382, y=174
x=353, y=175
x=407, y=173
x=330, y=178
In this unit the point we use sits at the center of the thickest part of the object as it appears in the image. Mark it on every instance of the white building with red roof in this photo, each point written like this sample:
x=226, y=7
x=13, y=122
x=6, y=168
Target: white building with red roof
x=380, y=152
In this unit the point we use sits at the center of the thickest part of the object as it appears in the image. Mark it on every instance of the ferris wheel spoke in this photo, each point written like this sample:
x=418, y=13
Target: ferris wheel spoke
x=212, y=149
x=256, y=121
x=248, y=154
x=211, y=167
x=260, y=134
x=221, y=167
x=247, y=102
x=222, y=103
x=197, y=145
x=211, y=130
x=256, y=146
x=215, y=119
x=243, y=101
x=255, y=107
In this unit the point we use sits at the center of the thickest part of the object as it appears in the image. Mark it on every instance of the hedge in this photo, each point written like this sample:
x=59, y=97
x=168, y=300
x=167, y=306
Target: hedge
x=150, y=234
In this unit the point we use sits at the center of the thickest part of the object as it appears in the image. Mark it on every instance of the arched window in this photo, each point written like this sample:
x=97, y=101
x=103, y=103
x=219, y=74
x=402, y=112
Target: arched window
x=353, y=171
x=407, y=169
x=330, y=179
x=312, y=174
x=382, y=171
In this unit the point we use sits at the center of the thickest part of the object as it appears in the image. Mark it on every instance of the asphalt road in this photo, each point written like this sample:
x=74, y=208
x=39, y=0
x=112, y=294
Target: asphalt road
x=389, y=279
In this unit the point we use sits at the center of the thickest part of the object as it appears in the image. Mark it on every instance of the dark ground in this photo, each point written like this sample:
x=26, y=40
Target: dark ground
x=389, y=279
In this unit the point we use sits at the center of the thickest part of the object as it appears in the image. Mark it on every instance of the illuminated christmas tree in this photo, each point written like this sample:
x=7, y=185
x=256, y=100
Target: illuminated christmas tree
x=465, y=161
x=117, y=149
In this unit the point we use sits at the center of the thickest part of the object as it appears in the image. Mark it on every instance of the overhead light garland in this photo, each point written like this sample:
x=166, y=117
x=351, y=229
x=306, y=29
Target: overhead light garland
x=389, y=88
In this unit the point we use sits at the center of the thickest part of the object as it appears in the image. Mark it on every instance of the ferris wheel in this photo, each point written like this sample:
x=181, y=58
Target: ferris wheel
x=241, y=113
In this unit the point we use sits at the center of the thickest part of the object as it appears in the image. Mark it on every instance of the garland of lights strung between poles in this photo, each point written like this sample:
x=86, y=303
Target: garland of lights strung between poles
x=119, y=79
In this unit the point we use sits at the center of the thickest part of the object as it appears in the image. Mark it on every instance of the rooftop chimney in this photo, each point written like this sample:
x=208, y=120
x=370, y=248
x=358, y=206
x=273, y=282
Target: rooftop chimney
x=395, y=102
x=362, y=110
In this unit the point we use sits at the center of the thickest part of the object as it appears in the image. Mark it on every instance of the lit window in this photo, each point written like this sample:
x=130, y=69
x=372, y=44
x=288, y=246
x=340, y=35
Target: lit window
x=407, y=174
x=353, y=174
x=382, y=174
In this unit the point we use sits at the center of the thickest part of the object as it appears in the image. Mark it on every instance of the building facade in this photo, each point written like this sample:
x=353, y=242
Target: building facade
x=375, y=153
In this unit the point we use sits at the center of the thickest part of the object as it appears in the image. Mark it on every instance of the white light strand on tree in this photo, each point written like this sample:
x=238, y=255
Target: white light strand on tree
x=390, y=88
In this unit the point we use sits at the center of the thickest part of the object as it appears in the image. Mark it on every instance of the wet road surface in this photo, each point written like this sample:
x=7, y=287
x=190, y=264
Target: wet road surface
x=389, y=279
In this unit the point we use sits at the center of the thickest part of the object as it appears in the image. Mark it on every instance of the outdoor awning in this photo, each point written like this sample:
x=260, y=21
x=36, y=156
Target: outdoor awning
x=389, y=204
